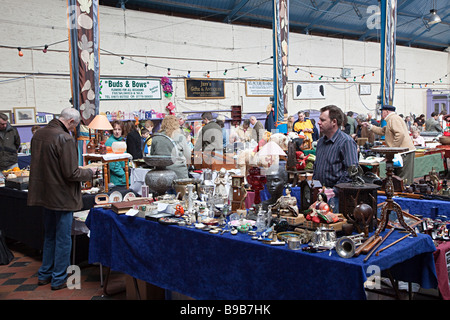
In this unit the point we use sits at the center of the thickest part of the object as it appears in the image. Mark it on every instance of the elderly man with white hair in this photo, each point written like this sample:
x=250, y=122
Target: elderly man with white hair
x=258, y=129
x=55, y=185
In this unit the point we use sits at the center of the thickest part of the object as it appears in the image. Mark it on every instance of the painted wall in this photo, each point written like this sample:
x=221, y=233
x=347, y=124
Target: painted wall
x=42, y=79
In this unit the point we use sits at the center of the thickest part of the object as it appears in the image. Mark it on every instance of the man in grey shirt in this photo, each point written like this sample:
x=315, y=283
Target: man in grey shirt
x=432, y=124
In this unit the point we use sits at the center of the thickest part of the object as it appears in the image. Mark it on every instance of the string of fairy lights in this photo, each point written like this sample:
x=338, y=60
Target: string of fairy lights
x=313, y=76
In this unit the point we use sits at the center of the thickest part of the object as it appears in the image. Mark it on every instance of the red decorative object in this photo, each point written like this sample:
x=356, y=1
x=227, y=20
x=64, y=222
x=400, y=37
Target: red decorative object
x=257, y=181
x=171, y=108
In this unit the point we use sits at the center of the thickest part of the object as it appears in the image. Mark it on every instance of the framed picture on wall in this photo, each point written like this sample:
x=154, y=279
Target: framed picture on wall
x=24, y=115
x=40, y=119
x=48, y=118
x=8, y=114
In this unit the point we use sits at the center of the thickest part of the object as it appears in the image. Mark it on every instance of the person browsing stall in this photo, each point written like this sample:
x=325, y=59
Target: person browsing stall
x=210, y=136
x=304, y=125
x=397, y=135
x=55, y=184
x=116, y=169
x=9, y=144
x=133, y=139
x=170, y=141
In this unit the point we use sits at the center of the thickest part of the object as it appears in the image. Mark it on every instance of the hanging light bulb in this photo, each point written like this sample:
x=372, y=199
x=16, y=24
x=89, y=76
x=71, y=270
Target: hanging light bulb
x=168, y=72
x=320, y=78
x=225, y=72
x=296, y=71
x=373, y=73
x=189, y=74
x=311, y=75
x=20, y=52
x=434, y=17
x=45, y=49
x=245, y=69
x=362, y=77
x=122, y=60
x=354, y=78
x=146, y=65
x=207, y=74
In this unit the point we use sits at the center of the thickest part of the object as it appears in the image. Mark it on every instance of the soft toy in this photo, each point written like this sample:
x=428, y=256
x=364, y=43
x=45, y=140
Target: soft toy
x=171, y=108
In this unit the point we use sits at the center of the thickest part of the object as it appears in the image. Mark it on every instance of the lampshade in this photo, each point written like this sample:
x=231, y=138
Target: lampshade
x=271, y=149
x=434, y=17
x=100, y=122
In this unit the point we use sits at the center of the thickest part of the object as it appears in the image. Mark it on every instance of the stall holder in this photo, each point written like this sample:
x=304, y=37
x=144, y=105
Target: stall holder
x=224, y=266
x=106, y=159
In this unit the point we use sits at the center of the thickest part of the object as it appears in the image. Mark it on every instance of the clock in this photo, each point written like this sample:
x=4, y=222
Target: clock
x=238, y=192
x=365, y=89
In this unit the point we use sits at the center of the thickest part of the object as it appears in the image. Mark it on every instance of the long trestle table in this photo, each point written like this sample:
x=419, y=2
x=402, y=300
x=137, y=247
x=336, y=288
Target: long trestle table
x=224, y=266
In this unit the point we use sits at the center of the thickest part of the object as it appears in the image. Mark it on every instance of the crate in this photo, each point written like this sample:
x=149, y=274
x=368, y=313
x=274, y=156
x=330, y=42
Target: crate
x=337, y=226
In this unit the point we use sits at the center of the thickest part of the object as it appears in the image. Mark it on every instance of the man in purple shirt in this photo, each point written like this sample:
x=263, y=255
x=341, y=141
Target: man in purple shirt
x=336, y=151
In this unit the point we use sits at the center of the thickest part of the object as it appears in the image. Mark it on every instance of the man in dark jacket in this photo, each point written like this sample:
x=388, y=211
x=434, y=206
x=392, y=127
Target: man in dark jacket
x=210, y=137
x=9, y=144
x=55, y=185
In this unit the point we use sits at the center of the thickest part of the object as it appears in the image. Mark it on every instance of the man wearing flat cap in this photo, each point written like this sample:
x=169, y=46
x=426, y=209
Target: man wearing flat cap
x=397, y=135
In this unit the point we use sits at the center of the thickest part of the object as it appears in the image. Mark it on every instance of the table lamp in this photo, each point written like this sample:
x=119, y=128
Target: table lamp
x=98, y=124
x=271, y=151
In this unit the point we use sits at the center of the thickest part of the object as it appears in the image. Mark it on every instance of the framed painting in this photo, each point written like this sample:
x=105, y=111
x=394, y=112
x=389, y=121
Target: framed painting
x=24, y=115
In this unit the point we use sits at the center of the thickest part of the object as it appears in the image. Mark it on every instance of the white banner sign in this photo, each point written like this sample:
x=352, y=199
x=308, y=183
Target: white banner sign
x=130, y=89
x=259, y=88
x=308, y=90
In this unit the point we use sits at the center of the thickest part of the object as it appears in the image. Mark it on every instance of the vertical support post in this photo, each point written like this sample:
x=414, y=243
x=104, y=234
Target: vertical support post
x=388, y=48
x=280, y=27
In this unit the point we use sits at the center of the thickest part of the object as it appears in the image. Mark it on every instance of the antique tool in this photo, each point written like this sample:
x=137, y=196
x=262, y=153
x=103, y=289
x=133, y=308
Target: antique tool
x=370, y=246
x=364, y=245
x=390, y=245
x=379, y=244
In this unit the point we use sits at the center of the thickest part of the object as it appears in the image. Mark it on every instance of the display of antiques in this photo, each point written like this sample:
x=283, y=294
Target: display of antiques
x=16, y=178
x=238, y=193
x=358, y=203
x=159, y=179
x=257, y=182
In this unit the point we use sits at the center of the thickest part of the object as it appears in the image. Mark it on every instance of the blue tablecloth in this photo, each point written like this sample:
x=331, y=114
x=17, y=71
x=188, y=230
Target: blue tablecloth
x=24, y=161
x=214, y=266
x=425, y=208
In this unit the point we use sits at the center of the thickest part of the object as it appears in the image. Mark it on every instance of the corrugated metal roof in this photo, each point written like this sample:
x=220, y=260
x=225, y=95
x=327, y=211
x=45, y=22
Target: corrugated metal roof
x=337, y=18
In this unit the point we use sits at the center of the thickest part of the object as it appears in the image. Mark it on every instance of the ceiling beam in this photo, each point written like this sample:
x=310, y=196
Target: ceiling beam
x=331, y=6
x=235, y=10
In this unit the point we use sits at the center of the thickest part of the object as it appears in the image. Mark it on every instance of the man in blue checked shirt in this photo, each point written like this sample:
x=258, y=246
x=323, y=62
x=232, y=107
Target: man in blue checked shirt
x=336, y=151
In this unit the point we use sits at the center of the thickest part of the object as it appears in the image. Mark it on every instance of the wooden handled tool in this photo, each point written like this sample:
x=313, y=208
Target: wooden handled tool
x=390, y=245
x=379, y=244
x=362, y=246
x=369, y=247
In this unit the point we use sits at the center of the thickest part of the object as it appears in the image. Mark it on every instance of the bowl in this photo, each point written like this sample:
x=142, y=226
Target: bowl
x=119, y=146
x=445, y=140
x=159, y=161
